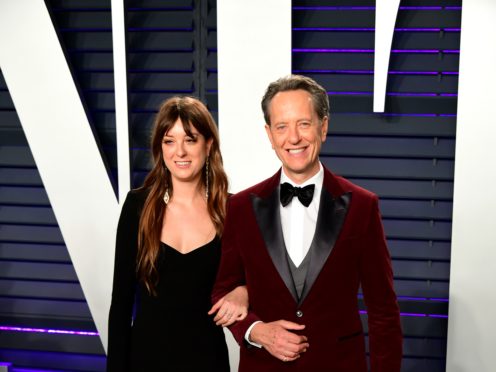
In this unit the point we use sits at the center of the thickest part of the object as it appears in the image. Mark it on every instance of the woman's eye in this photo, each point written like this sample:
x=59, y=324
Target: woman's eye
x=167, y=141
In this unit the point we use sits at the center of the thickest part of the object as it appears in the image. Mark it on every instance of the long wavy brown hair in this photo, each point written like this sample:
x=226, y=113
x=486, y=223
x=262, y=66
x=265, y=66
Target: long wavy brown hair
x=192, y=113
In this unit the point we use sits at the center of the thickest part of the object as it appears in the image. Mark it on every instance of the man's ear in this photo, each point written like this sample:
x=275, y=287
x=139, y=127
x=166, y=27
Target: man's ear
x=269, y=134
x=324, y=128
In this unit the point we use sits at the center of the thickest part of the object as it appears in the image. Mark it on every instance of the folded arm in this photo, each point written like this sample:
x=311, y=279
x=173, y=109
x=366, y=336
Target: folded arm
x=231, y=275
x=278, y=337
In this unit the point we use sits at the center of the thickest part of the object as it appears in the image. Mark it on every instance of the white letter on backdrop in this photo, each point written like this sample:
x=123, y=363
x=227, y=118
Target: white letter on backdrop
x=63, y=146
x=386, y=12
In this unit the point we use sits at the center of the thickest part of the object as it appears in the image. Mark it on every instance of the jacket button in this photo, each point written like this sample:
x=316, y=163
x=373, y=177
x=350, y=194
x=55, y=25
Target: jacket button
x=299, y=313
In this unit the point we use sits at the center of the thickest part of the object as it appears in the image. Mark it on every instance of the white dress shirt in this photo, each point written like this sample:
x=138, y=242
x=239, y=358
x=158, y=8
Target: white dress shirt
x=298, y=225
x=299, y=222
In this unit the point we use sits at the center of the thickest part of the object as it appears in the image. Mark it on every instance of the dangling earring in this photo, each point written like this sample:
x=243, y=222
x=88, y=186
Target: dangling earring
x=206, y=177
x=166, y=194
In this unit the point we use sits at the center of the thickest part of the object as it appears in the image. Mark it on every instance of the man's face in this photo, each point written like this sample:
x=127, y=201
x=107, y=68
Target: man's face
x=296, y=134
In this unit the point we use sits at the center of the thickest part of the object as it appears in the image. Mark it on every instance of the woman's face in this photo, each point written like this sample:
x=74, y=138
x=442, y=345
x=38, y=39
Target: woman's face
x=184, y=155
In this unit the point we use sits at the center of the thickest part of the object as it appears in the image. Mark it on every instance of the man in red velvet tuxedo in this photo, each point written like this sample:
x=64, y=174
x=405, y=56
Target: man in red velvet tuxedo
x=303, y=242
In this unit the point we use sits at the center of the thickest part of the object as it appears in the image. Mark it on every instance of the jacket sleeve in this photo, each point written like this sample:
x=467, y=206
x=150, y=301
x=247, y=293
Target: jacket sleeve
x=232, y=272
x=124, y=286
x=385, y=336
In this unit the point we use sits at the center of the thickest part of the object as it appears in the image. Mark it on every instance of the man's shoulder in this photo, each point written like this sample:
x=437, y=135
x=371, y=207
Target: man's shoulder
x=353, y=187
x=344, y=185
x=263, y=188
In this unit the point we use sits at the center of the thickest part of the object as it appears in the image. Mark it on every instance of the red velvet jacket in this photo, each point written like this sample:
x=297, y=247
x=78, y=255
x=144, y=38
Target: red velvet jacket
x=348, y=251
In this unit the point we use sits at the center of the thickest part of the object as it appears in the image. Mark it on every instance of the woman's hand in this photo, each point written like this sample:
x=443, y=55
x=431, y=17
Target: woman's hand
x=231, y=308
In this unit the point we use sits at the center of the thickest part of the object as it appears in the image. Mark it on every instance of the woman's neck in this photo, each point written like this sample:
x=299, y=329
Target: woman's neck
x=187, y=192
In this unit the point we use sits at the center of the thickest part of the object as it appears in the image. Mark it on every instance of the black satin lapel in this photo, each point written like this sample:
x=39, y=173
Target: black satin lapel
x=269, y=221
x=332, y=213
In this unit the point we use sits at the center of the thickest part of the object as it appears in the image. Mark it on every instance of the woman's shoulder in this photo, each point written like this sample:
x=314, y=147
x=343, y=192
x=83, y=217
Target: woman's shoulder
x=135, y=198
x=139, y=193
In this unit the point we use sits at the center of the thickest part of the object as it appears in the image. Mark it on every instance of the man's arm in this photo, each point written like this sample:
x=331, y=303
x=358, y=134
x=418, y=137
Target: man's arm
x=279, y=340
x=385, y=337
x=276, y=337
x=231, y=273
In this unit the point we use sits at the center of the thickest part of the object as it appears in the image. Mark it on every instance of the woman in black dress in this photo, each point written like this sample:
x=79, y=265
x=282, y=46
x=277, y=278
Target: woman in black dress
x=168, y=251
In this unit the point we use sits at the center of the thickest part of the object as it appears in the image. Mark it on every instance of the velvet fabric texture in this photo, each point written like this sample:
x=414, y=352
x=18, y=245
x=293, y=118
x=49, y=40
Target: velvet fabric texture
x=348, y=251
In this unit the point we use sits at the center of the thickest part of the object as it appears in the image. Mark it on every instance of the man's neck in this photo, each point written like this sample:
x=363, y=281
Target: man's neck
x=300, y=179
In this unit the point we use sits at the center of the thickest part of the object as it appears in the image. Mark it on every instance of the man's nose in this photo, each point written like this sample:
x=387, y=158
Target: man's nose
x=294, y=134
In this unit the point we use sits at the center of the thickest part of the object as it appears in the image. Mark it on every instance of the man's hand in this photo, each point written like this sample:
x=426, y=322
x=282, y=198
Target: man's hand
x=278, y=340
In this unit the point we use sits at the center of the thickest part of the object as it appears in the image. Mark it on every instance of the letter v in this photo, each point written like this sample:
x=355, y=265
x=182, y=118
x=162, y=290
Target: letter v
x=386, y=12
x=63, y=147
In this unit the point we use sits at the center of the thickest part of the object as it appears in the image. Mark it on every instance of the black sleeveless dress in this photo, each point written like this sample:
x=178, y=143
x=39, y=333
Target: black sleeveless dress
x=172, y=331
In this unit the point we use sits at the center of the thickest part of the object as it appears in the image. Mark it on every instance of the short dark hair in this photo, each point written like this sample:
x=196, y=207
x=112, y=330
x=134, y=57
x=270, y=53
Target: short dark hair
x=295, y=82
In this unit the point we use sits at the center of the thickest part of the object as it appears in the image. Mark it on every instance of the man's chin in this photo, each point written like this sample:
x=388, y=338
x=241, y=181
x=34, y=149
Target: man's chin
x=301, y=173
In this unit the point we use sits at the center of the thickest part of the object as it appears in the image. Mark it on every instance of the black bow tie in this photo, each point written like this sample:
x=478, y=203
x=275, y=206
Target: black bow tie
x=304, y=194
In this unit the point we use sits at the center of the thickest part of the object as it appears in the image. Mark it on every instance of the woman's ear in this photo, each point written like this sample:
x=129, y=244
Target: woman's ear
x=209, y=146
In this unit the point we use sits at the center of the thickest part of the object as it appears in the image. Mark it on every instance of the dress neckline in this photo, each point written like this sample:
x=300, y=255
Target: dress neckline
x=193, y=250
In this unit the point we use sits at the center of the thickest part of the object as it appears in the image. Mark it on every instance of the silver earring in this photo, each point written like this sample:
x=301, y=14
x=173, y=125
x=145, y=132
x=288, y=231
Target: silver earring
x=166, y=194
x=206, y=177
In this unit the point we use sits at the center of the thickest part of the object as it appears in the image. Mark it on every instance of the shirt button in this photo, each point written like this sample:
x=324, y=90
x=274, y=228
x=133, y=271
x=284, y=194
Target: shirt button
x=299, y=313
